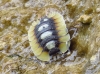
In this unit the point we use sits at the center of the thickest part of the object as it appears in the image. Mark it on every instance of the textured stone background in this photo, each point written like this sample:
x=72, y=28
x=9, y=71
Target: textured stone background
x=16, y=56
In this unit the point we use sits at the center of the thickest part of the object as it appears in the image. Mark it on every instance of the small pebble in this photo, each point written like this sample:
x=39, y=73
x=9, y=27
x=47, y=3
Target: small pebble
x=85, y=19
x=98, y=10
x=93, y=58
x=2, y=45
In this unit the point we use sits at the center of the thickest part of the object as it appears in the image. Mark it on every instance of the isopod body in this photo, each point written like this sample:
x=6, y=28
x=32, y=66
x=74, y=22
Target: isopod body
x=49, y=36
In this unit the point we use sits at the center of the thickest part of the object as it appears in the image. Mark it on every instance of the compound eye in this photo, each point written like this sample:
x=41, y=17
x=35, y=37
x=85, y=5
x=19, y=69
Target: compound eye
x=42, y=27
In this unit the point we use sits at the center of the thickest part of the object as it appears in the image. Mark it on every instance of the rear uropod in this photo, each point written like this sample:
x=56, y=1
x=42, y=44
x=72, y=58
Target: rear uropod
x=49, y=36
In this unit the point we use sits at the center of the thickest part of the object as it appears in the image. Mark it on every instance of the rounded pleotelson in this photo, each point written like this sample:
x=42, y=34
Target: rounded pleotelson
x=59, y=34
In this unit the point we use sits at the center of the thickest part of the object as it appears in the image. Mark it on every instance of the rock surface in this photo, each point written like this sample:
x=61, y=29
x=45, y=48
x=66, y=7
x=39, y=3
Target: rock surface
x=16, y=56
